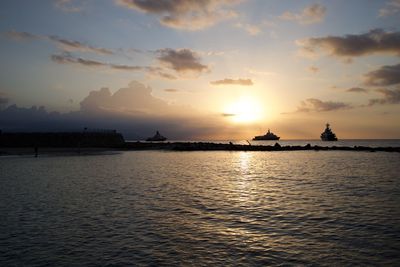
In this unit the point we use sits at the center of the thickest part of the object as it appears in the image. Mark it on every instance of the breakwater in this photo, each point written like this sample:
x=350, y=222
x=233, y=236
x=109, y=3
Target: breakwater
x=209, y=146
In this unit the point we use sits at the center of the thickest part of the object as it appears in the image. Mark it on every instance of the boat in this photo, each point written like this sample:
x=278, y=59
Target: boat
x=328, y=135
x=268, y=136
x=157, y=137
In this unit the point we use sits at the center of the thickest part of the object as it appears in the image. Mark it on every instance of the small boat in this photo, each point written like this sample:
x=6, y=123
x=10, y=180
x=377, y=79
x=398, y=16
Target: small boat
x=157, y=137
x=328, y=135
x=268, y=136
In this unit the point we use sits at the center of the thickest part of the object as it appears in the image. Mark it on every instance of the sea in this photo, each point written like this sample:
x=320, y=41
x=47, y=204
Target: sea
x=202, y=208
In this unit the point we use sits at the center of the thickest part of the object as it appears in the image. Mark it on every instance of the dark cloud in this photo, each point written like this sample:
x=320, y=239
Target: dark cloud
x=389, y=97
x=135, y=98
x=181, y=60
x=316, y=105
x=162, y=74
x=243, y=82
x=357, y=90
x=64, y=44
x=309, y=15
x=384, y=76
x=71, y=45
x=133, y=110
x=352, y=45
x=3, y=99
x=184, y=14
x=67, y=58
x=251, y=29
x=391, y=8
x=15, y=118
x=171, y=90
x=313, y=69
x=69, y=6
x=21, y=36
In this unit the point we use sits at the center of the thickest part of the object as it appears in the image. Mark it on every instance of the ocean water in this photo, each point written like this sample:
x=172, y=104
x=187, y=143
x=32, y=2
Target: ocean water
x=158, y=208
x=341, y=142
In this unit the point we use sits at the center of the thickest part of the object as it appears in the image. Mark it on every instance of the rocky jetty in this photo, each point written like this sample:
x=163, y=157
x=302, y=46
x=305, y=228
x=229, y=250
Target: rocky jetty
x=209, y=146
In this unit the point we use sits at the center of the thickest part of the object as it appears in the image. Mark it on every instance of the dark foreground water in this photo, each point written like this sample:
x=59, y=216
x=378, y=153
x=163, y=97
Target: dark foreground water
x=201, y=208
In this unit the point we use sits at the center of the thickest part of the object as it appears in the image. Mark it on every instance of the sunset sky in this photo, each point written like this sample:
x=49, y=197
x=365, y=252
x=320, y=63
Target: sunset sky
x=202, y=69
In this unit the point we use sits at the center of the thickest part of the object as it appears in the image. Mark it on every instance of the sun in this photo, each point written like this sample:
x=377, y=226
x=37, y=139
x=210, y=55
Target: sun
x=244, y=110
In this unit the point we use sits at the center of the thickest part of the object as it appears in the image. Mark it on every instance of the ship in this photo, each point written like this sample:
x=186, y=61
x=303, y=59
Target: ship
x=328, y=135
x=268, y=136
x=157, y=137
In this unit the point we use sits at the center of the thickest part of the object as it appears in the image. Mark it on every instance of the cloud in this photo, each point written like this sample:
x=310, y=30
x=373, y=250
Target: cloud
x=71, y=45
x=261, y=72
x=184, y=14
x=251, y=29
x=181, y=60
x=64, y=44
x=316, y=105
x=389, y=97
x=243, y=82
x=133, y=110
x=384, y=76
x=162, y=74
x=357, y=90
x=352, y=45
x=68, y=6
x=228, y=115
x=3, y=99
x=21, y=36
x=67, y=58
x=135, y=98
x=391, y=8
x=14, y=118
x=309, y=15
x=171, y=90
x=313, y=69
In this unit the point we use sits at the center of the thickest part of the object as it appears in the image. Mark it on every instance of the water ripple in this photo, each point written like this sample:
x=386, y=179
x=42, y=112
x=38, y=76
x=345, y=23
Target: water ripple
x=201, y=208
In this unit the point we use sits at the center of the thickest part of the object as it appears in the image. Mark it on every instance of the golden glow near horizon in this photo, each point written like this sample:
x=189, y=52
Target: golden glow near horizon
x=244, y=110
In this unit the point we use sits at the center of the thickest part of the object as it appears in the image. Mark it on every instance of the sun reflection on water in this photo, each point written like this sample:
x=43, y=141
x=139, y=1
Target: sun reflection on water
x=244, y=161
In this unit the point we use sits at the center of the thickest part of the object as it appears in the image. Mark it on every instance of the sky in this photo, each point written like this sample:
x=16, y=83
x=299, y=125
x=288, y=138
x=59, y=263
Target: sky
x=201, y=69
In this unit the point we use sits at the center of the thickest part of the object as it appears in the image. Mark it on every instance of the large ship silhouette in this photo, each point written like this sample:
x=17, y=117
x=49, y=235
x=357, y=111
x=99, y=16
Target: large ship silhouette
x=157, y=137
x=268, y=136
x=328, y=135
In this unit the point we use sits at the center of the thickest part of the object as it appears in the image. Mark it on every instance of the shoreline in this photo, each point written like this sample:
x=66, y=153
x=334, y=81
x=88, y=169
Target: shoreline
x=181, y=146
